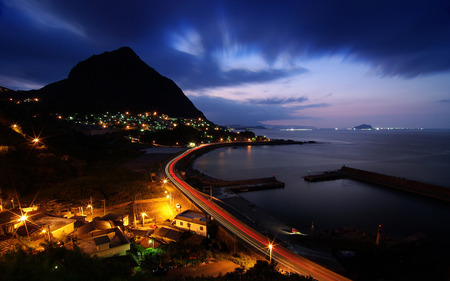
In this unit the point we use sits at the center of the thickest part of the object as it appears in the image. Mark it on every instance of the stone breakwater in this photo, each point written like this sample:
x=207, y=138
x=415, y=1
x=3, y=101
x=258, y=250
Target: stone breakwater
x=423, y=189
x=201, y=180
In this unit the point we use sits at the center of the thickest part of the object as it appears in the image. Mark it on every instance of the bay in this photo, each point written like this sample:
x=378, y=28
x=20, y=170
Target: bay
x=422, y=155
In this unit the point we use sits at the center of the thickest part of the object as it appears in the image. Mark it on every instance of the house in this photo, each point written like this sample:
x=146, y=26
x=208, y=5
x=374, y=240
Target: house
x=94, y=228
x=102, y=243
x=168, y=234
x=9, y=221
x=111, y=242
x=58, y=227
x=193, y=221
x=120, y=220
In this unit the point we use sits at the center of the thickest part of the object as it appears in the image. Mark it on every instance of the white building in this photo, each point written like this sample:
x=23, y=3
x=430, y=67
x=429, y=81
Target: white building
x=192, y=221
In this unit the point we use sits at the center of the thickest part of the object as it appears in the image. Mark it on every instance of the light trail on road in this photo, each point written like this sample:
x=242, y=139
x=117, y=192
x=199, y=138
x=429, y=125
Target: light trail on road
x=245, y=233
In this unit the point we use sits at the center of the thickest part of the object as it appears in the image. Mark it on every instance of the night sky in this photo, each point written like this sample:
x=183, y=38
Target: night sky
x=312, y=63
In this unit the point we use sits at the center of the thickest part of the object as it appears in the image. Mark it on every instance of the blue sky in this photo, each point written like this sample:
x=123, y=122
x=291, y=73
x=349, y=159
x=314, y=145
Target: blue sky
x=308, y=63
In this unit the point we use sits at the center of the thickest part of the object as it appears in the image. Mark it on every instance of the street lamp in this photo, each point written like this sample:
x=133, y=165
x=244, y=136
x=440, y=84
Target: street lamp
x=270, y=251
x=44, y=232
x=153, y=242
x=104, y=206
x=143, y=215
x=92, y=208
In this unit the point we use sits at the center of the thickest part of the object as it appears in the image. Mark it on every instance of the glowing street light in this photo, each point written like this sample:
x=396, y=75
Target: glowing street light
x=92, y=209
x=164, y=181
x=35, y=140
x=152, y=241
x=143, y=215
x=23, y=218
x=270, y=251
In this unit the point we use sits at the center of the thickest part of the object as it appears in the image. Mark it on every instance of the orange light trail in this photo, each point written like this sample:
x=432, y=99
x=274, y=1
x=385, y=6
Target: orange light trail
x=315, y=268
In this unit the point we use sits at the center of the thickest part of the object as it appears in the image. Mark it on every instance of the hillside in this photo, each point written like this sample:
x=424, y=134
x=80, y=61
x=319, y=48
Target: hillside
x=114, y=81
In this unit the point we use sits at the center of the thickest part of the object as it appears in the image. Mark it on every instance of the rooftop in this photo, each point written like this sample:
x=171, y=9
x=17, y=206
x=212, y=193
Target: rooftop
x=53, y=222
x=192, y=216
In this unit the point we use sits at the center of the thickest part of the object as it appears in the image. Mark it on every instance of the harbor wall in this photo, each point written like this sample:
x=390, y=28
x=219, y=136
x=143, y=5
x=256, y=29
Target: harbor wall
x=403, y=184
x=420, y=188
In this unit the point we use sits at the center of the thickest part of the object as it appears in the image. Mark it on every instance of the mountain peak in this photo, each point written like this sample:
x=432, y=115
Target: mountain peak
x=117, y=80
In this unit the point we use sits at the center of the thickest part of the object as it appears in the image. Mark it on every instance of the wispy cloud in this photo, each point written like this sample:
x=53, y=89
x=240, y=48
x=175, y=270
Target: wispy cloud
x=279, y=101
x=317, y=105
x=47, y=18
x=187, y=41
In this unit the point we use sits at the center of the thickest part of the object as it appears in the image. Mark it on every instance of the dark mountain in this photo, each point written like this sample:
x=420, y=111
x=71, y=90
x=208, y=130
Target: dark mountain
x=116, y=81
x=3, y=89
x=363, y=127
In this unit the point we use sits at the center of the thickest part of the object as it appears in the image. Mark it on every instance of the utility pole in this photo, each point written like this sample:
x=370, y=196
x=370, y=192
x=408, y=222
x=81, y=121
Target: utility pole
x=378, y=236
x=104, y=206
x=134, y=212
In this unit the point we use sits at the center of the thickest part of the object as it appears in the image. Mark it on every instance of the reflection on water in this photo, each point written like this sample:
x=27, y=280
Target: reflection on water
x=417, y=155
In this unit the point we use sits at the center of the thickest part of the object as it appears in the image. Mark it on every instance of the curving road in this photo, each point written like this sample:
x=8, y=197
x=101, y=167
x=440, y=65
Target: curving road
x=245, y=233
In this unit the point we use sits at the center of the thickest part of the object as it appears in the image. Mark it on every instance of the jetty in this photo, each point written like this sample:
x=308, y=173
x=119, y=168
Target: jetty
x=201, y=180
x=237, y=185
x=248, y=184
x=423, y=189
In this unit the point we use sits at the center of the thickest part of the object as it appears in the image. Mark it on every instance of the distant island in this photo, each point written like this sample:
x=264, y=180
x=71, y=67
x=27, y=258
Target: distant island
x=363, y=127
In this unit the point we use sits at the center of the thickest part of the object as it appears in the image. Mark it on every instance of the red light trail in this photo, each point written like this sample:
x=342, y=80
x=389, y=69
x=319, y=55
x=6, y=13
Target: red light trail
x=285, y=257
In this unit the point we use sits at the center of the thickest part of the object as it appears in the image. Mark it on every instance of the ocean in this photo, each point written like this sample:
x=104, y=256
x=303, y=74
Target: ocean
x=421, y=155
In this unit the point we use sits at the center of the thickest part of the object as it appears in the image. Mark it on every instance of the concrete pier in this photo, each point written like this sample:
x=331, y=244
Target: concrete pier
x=424, y=189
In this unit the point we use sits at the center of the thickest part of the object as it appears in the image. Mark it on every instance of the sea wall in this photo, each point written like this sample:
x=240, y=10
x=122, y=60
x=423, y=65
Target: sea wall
x=424, y=189
x=403, y=184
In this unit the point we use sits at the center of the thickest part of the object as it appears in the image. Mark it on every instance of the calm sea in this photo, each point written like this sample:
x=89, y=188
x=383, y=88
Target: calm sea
x=422, y=155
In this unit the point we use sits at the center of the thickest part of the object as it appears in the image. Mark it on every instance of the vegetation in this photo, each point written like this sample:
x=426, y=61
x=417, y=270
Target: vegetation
x=66, y=160
x=55, y=263
x=261, y=271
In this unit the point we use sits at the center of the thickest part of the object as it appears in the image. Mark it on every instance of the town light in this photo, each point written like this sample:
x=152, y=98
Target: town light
x=23, y=218
x=152, y=241
x=143, y=215
x=164, y=181
x=36, y=140
x=92, y=208
x=270, y=251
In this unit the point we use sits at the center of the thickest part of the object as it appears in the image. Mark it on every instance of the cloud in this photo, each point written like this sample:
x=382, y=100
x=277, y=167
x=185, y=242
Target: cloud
x=39, y=15
x=277, y=101
x=316, y=105
x=445, y=101
x=187, y=41
x=13, y=83
x=225, y=111
x=204, y=44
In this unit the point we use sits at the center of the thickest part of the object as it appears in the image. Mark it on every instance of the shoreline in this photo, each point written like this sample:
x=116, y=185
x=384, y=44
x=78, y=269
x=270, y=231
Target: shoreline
x=329, y=247
x=201, y=180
